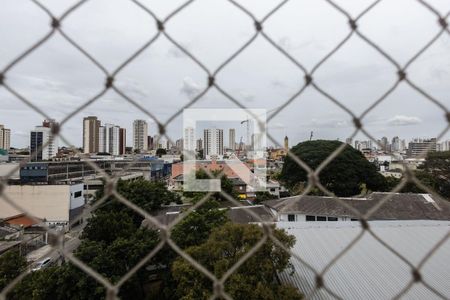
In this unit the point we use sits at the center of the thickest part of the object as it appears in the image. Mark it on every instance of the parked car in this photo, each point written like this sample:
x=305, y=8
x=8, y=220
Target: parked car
x=42, y=264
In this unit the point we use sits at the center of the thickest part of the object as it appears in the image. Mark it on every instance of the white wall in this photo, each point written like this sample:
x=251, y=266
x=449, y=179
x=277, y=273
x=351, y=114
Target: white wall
x=78, y=201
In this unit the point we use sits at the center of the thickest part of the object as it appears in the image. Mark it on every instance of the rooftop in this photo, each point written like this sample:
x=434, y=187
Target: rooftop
x=398, y=207
x=369, y=270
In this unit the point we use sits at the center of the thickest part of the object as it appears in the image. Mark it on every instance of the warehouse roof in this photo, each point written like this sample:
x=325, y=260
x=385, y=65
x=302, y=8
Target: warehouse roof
x=398, y=207
x=369, y=270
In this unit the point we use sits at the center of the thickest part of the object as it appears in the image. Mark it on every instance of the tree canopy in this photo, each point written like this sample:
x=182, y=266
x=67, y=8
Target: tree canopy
x=434, y=173
x=345, y=175
x=226, y=185
x=196, y=227
x=160, y=152
x=11, y=265
x=255, y=279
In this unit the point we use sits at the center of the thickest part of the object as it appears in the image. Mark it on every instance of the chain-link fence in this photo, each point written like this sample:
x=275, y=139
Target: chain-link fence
x=218, y=291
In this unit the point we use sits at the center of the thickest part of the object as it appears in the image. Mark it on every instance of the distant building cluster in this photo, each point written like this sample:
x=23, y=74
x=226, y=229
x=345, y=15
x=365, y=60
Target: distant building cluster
x=108, y=138
x=416, y=148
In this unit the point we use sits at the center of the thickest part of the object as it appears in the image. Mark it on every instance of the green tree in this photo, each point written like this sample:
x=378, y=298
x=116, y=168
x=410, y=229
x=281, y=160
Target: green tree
x=345, y=175
x=196, y=227
x=109, y=225
x=148, y=195
x=160, y=152
x=255, y=279
x=435, y=172
x=226, y=185
x=263, y=196
x=112, y=260
x=12, y=264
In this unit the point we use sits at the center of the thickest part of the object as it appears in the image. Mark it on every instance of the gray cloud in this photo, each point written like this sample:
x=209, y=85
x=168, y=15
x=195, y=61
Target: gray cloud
x=330, y=123
x=190, y=88
x=247, y=97
x=400, y=120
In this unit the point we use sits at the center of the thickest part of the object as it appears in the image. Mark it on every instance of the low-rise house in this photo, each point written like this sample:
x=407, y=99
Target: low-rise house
x=239, y=187
x=398, y=207
x=273, y=188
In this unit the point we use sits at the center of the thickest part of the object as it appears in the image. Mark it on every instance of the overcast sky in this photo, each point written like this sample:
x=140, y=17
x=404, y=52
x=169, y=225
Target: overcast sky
x=58, y=78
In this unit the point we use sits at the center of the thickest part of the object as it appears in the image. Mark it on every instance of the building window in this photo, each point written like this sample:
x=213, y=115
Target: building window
x=77, y=194
x=332, y=219
x=320, y=218
x=354, y=219
x=291, y=218
x=310, y=218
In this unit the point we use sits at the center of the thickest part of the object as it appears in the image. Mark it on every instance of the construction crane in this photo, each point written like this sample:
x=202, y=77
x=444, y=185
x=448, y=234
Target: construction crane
x=311, y=136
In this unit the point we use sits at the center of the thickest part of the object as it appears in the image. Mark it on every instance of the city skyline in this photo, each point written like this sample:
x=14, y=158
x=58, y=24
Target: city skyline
x=238, y=133
x=163, y=78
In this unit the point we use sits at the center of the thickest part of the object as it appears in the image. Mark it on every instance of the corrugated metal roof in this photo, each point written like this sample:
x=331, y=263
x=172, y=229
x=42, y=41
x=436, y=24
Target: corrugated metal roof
x=369, y=270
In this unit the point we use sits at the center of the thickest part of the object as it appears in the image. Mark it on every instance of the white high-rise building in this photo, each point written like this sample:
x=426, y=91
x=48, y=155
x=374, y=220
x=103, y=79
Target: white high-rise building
x=232, y=139
x=43, y=145
x=5, y=138
x=395, y=146
x=213, y=143
x=189, y=140
x=140, y=135
x=109, y=139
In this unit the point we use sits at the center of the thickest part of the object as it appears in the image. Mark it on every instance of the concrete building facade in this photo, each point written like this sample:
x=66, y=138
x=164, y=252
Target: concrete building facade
x=189, y=140
x=43, y=145
x=140, y=135
x=417, y=147
x=109, y=139
x=91, y=126
x=5, y=138
x=232, y=139
x=57, y=205
x=212, y=143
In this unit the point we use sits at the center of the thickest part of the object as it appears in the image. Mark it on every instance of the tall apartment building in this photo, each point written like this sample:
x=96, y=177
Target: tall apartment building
x=395, y=145
x=5, y=138
x=157, y=142
x=109, y=139
x=150, y=143
x=140, y=135
x=122, y=140
x=212, y=143
x=417, y=147
x=179, y=144
x=91, y=127
x=232, y=139
x=360, y=145
x=199, y=145
x=43, y=145
x=189, y=140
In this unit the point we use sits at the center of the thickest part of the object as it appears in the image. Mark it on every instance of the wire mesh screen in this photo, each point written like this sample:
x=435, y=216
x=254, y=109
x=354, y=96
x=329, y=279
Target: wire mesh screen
x=56, y=28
